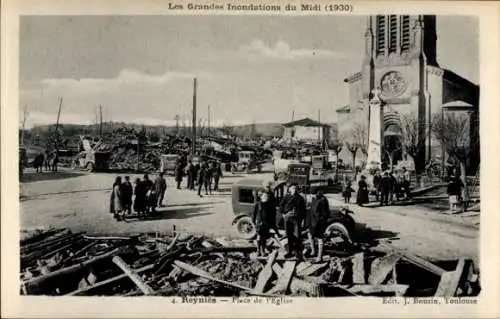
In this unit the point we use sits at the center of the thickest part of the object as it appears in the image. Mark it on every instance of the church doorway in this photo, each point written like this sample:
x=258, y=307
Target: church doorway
x=392, y=147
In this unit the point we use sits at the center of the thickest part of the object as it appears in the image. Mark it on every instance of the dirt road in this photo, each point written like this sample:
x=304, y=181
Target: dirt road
x=80, y=202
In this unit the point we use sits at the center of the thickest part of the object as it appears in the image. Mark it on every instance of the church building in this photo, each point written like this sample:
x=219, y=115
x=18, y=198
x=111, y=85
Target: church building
x=400, y=62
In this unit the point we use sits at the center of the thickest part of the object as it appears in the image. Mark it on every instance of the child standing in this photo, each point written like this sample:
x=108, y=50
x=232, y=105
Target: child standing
x=347, y=190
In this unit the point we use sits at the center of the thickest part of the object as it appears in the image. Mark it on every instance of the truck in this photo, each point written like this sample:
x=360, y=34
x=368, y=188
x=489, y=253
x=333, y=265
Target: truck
x=94, y=156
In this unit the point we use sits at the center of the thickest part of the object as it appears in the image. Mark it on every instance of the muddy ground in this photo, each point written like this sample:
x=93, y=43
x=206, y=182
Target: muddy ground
x=80, y=201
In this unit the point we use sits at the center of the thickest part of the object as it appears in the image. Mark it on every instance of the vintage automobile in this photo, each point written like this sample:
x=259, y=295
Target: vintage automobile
x=168, y=163
x=247, y=161
x=340, y=222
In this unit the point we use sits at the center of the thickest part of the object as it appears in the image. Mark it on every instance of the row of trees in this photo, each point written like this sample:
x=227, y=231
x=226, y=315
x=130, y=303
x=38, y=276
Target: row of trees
x=452, y=130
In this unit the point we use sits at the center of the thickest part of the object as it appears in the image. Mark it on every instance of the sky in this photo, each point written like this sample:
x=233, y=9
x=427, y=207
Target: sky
x=249, y=68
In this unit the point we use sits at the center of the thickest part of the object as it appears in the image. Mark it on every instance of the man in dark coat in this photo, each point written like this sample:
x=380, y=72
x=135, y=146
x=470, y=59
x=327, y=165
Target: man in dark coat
x=394, y=187
x=294, y=210
x=160, y=189
x=376, y=184
x=200, y=178
x=190, y=175
x=196, y=170
x=126, y=191
x=385, y=187
x=140, y=198
x=272, y=208
x=179, y=172
x=264, y=217
x=317, y=220
x=217, y=174
x=151, y=199
x=207, y=179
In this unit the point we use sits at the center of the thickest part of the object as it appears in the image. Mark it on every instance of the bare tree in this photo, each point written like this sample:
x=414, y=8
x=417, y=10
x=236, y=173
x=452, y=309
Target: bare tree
x=391, y=148
x=453, y=132
x=336, y=147
x=356, y=139
x=412, y=143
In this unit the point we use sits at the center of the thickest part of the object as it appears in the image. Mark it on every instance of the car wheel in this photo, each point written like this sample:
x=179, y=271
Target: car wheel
x=246, y=228
x=337, y=230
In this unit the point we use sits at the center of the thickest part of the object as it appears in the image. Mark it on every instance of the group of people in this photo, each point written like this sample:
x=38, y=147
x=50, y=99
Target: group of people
x=385, y=187
x=204, y=175
x=296, y=218
x=143, y=197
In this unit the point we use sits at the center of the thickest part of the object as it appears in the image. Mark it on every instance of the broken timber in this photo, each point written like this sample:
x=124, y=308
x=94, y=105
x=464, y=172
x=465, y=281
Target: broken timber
x=358, y=269
x=265, y=274
x=107, y=282
x=381, y=267
x=35, y=283
x=284, y=279
x=145, y=288
x=450, y=280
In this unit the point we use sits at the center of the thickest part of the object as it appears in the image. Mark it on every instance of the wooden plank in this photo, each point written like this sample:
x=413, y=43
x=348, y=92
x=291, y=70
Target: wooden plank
x=422, y=263
x=204, y=274
x=381, y=267
x=311, y=269
x=398, y=290
x=449, y=281
x=298, y=284
x=108, y=281
x=301, y=266
x=144, y=287
x=284, y=279
x=358, y=268
x=266, y=273
x=37, y=282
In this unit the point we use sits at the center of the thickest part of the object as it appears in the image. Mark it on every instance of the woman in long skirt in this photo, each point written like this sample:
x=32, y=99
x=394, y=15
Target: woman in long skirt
x=362, y=195
x=116, y=201
x=140, y=198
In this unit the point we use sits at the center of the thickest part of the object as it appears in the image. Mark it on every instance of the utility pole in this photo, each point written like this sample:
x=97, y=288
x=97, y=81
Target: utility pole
x=25, y=115
x=57, y=124
x=100, y=121
x=320, y=128
x=209, y=120
x=177, y=118
x=193, y=142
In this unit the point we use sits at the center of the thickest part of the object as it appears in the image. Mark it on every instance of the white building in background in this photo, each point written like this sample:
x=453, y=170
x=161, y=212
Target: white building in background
x=306, y=130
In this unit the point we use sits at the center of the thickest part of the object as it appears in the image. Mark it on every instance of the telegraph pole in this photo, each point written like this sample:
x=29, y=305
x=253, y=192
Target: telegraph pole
x=100, y=121
x=177, y=118
x=193, y=142
x=57, y=124
x=25, y=115
x=320, y=128
x=209, y=120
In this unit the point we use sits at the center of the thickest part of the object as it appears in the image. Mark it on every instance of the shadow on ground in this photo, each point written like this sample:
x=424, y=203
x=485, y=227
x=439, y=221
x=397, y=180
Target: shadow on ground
x=45, y=176
x=39, y=196
x=367, y=235
x=174, y=213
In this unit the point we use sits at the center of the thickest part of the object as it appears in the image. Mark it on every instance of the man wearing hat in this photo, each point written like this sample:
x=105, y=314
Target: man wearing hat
x=385, y=188
x=316, y=221
x=293, y=209
x=272, y=206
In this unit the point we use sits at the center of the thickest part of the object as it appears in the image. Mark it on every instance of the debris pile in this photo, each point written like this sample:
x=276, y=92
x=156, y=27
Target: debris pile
x=60, y=262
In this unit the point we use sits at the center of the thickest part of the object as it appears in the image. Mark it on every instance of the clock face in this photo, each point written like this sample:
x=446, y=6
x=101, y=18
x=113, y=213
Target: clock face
x=392, y=84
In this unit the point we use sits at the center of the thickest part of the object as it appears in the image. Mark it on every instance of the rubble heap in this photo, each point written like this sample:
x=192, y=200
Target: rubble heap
x=60, y=262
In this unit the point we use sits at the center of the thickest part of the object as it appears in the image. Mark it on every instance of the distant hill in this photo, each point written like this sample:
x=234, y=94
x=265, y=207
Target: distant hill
x=41, y=133
x=260, y=129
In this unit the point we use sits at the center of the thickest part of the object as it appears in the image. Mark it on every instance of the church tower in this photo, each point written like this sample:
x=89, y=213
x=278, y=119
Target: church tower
x=398, y=49
x=400, y=63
